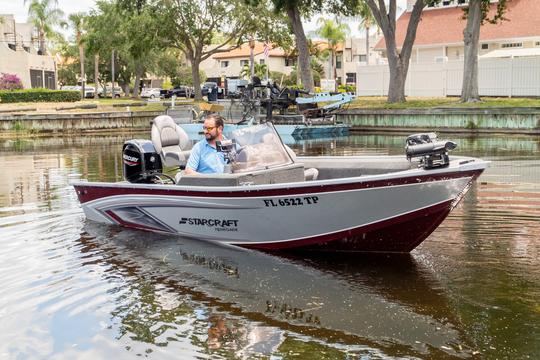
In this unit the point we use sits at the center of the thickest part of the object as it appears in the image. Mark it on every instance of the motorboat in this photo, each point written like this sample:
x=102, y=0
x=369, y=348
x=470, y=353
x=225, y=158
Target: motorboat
x=314, y=115
x=270, y=199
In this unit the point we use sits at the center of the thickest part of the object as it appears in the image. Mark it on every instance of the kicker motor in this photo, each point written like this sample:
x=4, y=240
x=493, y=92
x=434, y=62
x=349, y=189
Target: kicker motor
x=433, y=153
x=142, y=164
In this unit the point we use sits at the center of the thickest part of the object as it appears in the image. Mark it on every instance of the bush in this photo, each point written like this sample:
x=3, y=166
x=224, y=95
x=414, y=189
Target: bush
x=39, y=95
x=10, y=82
x=347, y=88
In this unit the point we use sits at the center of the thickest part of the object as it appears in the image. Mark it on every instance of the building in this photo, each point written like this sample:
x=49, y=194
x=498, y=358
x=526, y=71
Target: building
x=509, y=53
x=19, y=55
x=351, y=54
x=439, y=36
x=230, y=64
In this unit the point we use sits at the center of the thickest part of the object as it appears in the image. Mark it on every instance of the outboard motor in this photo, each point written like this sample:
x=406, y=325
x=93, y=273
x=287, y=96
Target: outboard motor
x=433, y=153
x=141, y=161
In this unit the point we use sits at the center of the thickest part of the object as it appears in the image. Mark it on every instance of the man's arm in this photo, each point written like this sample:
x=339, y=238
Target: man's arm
x=193, y=162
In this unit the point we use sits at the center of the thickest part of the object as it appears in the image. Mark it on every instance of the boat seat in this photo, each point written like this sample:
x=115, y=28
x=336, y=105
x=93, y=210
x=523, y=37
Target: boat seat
x=169, y=139
x=310, y=174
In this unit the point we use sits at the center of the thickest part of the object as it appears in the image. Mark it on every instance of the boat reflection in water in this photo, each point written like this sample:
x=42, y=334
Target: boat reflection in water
x=242, y=302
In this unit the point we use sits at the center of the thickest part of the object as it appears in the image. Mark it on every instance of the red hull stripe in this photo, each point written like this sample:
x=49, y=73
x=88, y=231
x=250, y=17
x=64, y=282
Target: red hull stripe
x=91, y=192
x=399, y=234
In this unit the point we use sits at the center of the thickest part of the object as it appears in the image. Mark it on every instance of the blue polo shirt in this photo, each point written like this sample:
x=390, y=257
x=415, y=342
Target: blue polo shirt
x=206, y=159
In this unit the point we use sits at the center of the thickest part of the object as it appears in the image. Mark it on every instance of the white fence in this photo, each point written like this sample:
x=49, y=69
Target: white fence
x=496, y=77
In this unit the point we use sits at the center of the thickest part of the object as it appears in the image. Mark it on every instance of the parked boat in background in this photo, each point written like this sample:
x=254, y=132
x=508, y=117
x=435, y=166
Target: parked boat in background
x=258, y=103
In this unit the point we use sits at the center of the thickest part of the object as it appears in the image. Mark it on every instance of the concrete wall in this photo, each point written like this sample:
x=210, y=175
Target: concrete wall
x=77, y=122
x=496, y=77
x=20, y=61
x=502, y=120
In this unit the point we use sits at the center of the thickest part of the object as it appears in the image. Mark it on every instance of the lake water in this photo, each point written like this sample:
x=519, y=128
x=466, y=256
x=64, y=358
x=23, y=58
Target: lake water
x=71, y=289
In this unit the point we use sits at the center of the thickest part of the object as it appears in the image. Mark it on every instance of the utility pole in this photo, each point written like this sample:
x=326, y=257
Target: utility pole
x=112, y=74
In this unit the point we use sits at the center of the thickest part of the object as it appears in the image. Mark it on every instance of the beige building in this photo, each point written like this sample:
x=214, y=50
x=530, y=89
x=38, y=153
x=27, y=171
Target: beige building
x=230, y=64
x=352, y=54
x=439, y=37
x=19, y=55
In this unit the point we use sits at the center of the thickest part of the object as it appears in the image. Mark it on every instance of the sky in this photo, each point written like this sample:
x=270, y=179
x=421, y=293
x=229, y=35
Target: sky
x=20, y=11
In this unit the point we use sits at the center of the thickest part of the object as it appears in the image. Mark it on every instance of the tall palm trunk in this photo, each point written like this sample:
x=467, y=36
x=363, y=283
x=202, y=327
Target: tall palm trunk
x=367, y=45
x=96, y=75
x=138, y=76
x=83, y=75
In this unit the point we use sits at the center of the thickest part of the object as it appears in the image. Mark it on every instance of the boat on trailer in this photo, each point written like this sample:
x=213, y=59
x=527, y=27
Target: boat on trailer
x=271, y=199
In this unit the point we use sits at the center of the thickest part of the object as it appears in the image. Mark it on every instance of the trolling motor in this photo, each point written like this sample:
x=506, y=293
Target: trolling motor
x=433, y=153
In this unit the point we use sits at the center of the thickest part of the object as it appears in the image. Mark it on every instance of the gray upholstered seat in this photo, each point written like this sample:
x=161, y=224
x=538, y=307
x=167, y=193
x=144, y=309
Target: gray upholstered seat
x=310, y=174
x=169, y=139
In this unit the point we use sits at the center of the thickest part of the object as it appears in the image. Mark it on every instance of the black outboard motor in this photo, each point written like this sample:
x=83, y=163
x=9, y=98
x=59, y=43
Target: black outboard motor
x=433, y=153
x=141, y=161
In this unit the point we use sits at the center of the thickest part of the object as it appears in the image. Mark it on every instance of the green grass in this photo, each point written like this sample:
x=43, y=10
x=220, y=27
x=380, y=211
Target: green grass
x=413, y=103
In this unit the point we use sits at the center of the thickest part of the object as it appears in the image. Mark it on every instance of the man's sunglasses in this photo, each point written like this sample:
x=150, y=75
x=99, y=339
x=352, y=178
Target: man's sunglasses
x=208, y=128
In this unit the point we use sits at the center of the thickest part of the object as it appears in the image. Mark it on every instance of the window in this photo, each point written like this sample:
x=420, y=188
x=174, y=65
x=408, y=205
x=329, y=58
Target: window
x=512, y=45
x=290, y=61
x=50, y=83
x=351, y=78
x=537, y=43
x=261, y=61
x=338, y=62
x=485, y=46
x=36, y=78
x=244, y=63
x=224, y=63
x=362, y=58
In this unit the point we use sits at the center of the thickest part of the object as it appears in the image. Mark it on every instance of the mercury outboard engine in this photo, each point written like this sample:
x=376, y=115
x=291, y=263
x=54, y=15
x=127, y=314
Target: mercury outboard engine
x=433, y=153
x=141, y=161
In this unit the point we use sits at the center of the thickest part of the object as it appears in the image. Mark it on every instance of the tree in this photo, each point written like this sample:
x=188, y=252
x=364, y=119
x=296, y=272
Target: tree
x=398, y=61
x=104, y=33
x=334, y=34
x=258, y=69
x=77, y=20
x=142, y=28
x=476, y=13
x=44, y=15
x=191, y=27
x=367, y=21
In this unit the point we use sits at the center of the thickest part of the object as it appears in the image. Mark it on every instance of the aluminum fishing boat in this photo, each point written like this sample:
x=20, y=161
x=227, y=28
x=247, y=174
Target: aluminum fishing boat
x=270, y=199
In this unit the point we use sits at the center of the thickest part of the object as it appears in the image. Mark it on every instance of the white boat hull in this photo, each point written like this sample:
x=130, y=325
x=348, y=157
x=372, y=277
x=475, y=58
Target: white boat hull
x=392, y=212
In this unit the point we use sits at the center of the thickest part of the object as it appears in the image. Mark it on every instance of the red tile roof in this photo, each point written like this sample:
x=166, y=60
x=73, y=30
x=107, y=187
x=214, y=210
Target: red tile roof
x=445, y=25
x=243, y=51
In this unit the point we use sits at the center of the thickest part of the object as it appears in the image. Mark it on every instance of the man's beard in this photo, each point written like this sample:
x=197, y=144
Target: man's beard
x=210, y=137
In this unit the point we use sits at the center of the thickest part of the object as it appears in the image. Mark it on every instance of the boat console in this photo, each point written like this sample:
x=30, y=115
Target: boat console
x=255, y=155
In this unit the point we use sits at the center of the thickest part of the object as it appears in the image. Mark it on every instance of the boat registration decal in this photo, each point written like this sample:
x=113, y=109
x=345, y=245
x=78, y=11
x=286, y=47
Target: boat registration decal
x=217, y=224
x=295, y=201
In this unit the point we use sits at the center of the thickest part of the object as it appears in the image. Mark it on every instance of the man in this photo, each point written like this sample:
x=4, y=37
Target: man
x=204, y=158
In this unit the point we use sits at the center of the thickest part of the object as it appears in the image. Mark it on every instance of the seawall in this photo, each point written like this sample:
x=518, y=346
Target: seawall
x=76, y=122
x=489, y=120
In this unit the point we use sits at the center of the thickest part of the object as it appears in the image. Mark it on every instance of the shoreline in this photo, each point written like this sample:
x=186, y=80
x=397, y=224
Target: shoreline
x=496, y=120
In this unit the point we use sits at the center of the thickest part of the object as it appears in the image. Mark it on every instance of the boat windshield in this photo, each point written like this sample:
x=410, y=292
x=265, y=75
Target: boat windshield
x=258, y=147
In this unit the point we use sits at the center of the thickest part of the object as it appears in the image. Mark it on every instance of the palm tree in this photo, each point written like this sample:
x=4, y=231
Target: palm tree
x=334, y=34
x=77, y=20
x=44, y=14
x=367, y=21
x=258, y=69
